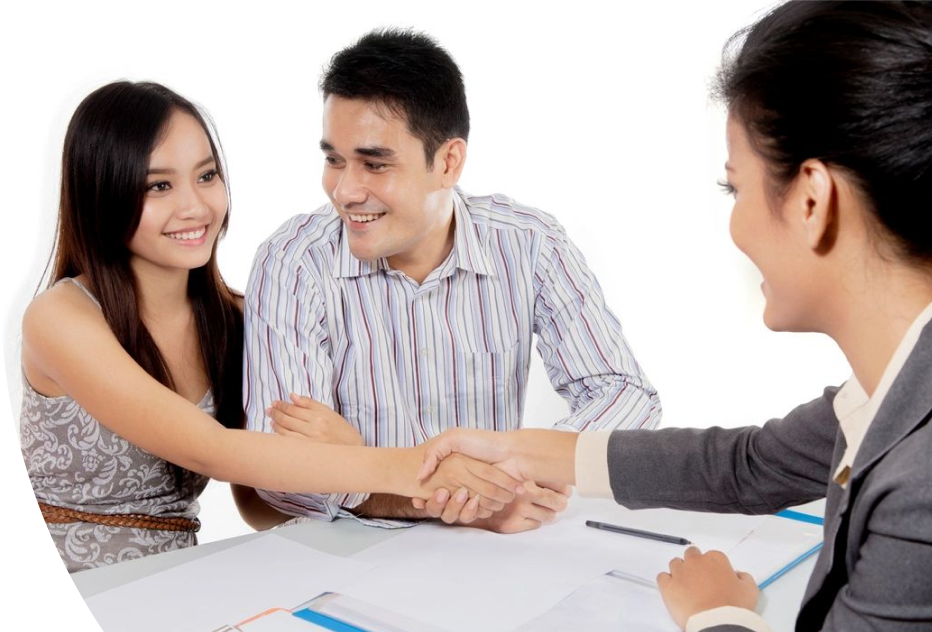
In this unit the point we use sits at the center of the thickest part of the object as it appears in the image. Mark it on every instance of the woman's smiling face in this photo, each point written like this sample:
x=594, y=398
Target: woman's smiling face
x=763, y=231
x=185, y=202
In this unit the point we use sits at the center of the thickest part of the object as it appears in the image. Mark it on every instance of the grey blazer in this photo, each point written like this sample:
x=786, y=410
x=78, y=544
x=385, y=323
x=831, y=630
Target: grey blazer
x=875, y=570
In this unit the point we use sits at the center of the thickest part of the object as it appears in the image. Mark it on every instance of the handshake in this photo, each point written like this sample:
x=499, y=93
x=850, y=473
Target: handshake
x=505, y=482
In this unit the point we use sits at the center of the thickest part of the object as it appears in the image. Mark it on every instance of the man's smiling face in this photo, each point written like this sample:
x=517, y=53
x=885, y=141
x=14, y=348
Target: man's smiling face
x=375, y=174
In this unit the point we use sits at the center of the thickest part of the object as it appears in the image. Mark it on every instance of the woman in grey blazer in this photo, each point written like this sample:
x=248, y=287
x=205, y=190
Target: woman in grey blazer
x=830, y=165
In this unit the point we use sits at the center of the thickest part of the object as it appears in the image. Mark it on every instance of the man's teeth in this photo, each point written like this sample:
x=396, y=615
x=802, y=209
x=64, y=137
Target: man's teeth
x=194, y=234
x=365, y=218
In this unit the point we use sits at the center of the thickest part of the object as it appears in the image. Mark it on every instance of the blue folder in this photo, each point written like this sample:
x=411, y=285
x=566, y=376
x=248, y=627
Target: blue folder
x=801, y=517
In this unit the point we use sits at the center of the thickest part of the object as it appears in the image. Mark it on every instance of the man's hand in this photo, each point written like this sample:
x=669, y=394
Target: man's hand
x=493, y=487
x=539, y=505
x=699, y=582
x=313, y=420
x=473, y=487
x=528, y=455
x=485, y=445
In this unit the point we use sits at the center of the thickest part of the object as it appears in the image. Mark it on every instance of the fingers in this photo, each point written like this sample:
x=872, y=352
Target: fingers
x=303, y=401
x=693, y=551
x=539, y=513
x=280, y=416
x=675, y=564
x=437, y=503
x=490, y=505
x=471, y=511
x=491, y=482
x=560, y=488
x=455, y=506
x=553, y=500
x=285, y=410
x=282, y=430
x=525, y=524
x=459, y=508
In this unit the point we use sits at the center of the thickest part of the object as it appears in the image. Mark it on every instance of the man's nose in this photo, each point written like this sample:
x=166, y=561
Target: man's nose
x=349, y=189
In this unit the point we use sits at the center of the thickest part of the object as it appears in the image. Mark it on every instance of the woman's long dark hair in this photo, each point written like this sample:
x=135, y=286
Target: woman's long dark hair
x=848, y=83
x=103, y=184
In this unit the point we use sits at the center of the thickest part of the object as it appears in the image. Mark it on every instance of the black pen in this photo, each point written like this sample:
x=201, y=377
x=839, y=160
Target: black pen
x=614, y=528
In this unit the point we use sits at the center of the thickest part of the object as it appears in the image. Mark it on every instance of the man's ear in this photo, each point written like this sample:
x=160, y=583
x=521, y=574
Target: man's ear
x=816, y=204
x=449, y=160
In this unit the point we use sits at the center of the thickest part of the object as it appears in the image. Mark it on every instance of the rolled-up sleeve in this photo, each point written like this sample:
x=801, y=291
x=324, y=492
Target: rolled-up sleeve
x=587, y=357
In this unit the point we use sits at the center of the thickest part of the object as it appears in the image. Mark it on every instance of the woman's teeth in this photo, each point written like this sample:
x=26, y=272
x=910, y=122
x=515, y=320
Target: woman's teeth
x=194, y=234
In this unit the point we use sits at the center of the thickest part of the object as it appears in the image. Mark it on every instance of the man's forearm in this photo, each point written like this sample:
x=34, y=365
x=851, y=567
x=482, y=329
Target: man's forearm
x=254, y=511
x=388, y=506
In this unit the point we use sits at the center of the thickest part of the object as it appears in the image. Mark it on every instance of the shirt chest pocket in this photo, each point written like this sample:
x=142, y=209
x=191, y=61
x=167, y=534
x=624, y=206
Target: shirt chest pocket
x=483, y=390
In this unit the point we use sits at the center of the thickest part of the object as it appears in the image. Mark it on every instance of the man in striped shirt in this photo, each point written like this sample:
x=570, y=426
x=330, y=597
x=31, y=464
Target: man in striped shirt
x=409, y=306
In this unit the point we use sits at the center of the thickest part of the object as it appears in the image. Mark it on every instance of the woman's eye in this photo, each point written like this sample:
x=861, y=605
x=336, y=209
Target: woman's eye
x=210, y=175
x=158, y=187
x=727, y=187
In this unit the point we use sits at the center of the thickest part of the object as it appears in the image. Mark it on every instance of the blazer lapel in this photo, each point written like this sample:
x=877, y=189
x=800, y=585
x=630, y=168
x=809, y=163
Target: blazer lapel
x=907, y=405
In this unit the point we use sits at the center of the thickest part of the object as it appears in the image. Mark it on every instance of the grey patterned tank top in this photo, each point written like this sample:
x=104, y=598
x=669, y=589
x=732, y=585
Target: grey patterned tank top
x=75, y=462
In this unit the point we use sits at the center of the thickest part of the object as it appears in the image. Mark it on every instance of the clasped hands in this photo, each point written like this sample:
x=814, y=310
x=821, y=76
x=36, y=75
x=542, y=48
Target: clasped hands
x=489, y=492
x=492, y=489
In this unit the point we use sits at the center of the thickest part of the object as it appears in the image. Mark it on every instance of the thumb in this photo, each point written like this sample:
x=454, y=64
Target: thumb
x=437, y=449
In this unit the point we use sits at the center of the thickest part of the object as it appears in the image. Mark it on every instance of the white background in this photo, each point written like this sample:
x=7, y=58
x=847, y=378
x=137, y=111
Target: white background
x=599, y=117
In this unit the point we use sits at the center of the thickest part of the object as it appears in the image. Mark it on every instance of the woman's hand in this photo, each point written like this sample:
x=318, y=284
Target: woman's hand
x=484, y=445
x=489, y=488
x=703, y=581
x=308, y=418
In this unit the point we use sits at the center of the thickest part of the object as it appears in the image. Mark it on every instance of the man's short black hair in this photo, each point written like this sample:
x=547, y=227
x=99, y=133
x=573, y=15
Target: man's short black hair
x=409, y=73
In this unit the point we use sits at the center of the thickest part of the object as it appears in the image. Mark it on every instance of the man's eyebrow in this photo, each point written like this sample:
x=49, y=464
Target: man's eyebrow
x=375, y=152
x=369, y=152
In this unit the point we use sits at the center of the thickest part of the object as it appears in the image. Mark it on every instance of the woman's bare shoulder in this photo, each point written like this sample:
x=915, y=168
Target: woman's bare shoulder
x=59, y=317
x=57, y=307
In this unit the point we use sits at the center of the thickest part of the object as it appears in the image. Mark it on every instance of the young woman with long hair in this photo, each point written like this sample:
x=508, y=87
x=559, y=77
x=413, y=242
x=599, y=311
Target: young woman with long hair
x=132, y=358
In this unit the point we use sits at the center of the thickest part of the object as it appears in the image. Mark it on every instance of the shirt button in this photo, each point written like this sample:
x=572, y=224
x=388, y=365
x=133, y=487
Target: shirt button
x=428, y=410
x=424, y=351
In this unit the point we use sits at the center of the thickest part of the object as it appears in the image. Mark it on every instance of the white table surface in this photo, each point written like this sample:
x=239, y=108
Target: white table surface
x=779, y=602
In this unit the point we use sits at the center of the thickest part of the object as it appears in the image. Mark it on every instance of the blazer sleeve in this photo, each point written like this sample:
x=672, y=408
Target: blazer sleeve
x=753, y=470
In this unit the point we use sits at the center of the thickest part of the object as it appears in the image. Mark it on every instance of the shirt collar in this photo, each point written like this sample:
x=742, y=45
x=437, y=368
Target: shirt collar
x=470, y=246
x=470, y=239
x=856, y=411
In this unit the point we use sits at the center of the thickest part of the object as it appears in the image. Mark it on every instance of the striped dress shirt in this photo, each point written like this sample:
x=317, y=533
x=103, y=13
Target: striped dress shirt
x=403, y=362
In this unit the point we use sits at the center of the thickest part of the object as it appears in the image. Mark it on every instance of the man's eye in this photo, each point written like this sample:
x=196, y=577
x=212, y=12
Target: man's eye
x=375, y=166
x=331, y=160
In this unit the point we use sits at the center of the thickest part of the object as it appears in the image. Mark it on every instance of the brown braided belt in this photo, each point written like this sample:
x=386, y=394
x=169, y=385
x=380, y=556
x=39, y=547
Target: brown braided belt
x=60, y=515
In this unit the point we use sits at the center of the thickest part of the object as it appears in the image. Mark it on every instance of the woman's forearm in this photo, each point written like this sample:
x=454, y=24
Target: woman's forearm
x=296, y=465
x=545, y=455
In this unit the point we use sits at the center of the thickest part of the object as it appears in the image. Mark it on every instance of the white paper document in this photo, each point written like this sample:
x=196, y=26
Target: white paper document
x=609, y=603
x=462, y=579
x=224, y=588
